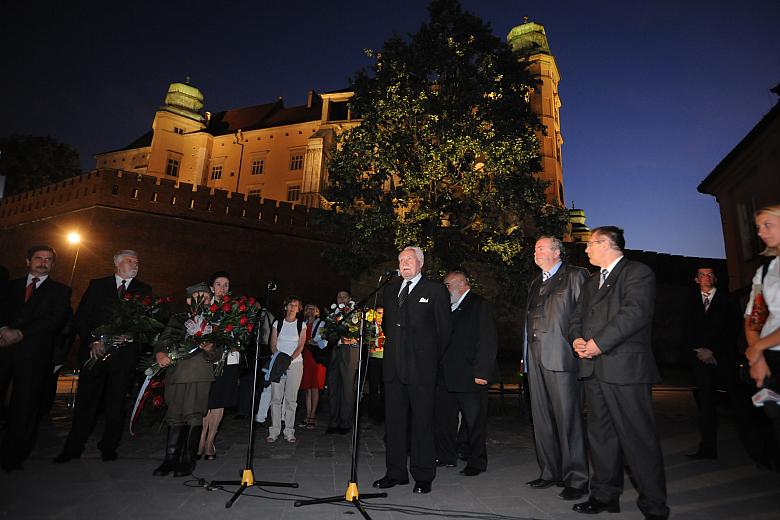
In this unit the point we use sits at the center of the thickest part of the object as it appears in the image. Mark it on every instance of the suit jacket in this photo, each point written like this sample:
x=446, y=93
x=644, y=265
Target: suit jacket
x=198, y=368
x=416, y=336
x=618, y=317
x=40, y=319
x=717, y=329
x=549, y=324
x=472, y=349
x=94, y=308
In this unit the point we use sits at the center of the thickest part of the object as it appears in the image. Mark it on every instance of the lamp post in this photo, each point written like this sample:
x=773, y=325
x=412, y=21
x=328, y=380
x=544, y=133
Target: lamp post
x=75, y=239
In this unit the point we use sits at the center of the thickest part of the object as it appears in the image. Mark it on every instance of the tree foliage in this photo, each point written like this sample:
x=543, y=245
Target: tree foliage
x=445, y=155
x=29, y=162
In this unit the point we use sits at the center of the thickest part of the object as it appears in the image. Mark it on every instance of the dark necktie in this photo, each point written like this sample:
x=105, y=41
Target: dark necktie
x=545, y=276
x=404, y=294
x=706, y=302
x=122, y=288
x=30, y=289
x=604, y=274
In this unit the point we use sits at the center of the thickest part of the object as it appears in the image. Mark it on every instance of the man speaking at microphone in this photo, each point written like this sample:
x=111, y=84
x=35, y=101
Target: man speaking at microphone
x=417, y=326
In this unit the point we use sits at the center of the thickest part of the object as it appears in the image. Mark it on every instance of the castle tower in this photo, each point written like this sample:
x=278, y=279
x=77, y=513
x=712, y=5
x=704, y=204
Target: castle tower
x=579, y=231
x=529, y=42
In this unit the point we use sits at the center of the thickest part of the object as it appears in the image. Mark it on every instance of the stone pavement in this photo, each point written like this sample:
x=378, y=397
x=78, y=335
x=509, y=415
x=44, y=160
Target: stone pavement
x=731, y=487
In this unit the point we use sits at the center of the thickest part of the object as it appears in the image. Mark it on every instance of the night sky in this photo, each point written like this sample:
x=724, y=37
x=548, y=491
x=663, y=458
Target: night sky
x=654, y=94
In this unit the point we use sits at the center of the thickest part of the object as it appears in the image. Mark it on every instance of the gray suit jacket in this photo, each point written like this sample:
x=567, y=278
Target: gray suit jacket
x=618, y=317
x=558, y=297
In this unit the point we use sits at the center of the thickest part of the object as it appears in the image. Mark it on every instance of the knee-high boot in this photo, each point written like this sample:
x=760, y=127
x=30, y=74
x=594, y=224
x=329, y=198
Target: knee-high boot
x=171, y=452
x=189, y=451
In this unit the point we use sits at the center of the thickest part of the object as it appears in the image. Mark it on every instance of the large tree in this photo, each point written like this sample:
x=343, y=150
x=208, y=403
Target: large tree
x=29, y=162
x=445, y=155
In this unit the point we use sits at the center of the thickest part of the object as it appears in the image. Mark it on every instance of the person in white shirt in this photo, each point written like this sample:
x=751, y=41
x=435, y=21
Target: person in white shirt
x=288, y=337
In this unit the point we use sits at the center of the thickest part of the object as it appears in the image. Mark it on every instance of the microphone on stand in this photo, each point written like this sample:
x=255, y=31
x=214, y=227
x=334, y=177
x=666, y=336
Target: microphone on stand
x=390, y=274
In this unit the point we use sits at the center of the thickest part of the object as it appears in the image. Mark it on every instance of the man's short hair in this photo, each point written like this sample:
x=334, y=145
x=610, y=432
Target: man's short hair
x=613, y=233
x=462, y=272
x=42, y=247
x=417, y=252
x=218, y=274
x=123, y=253
x=290, y=299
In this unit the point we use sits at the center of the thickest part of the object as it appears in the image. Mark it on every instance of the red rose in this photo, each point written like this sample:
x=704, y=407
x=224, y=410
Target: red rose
x=157, y=401
x=226, y=307
x=226, y=298
x=155, y=383
x=199, y=333
x=169, y=299
x=243, y=321
x=159, y=301
x=128, y=296
x=228, y=327
x=242, y=307
x=250, y=327
x=147, y=301
x=214, y=307
x=251, y=300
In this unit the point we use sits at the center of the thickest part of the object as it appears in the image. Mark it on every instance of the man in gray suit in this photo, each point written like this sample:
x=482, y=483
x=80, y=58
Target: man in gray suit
x=611, y=330
x=556, y=395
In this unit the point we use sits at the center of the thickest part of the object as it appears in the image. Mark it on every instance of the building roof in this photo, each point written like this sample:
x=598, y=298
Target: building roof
x=142, y=142
x=263, y=116
x=733, y=155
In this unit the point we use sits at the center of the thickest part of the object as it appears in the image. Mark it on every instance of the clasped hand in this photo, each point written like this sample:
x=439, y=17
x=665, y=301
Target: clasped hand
x=9, y=336
x=586, y=349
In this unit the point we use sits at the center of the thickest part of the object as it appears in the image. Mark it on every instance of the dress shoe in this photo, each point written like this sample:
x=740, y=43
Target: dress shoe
x=594, y=507
x=540, y=483
x=422, y=487
x=572, y=493
x=470, y=471
x=387, y=482
x=109, y=455
x=442, y=464
x=702, y=455
x=209, y=456
x=64, y=457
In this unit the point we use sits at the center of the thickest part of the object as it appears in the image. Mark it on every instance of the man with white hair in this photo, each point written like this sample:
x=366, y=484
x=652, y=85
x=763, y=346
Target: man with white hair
x=417, y=325
x=107, y=381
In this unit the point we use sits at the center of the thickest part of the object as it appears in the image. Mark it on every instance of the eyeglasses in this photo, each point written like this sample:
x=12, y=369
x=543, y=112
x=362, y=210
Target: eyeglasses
x=591, y=242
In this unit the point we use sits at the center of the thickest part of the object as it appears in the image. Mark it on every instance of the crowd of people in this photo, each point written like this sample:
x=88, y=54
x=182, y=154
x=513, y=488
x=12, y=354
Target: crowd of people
x=587, y=347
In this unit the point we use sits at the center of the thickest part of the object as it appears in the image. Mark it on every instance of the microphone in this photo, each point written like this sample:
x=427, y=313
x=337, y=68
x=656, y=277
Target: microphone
x=392, y=272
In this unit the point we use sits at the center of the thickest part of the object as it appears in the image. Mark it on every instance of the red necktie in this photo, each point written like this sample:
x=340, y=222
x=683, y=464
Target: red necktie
x=30, y=289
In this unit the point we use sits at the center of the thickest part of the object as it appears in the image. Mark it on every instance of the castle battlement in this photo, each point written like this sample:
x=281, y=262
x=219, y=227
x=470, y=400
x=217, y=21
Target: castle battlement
x=148, y=194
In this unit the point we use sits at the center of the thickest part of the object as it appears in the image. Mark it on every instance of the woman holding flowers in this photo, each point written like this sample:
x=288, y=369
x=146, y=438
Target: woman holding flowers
x=187, y=382
x=224, y=391
x=288, y=335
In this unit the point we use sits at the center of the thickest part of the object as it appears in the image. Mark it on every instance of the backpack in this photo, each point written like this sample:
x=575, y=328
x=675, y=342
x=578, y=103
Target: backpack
x=280, y=323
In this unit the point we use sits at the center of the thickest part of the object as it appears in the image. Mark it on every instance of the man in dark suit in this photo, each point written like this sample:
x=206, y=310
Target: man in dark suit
x=34, y=310
x=468, y=366
x=611, y=330
x=417, y=323
x=108, y=380
x=556, y=394
x=712, y=328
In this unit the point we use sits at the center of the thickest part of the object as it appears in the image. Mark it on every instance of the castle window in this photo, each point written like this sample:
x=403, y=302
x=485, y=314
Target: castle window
x=293, y=192
x=178, y=130
x=296, y=161
x=255, y=192
x=216, y=172
x=257, y=166
x=172, y=168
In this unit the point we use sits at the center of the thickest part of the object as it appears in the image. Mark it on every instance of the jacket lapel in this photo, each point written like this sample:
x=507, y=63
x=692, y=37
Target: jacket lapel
x=609, y=283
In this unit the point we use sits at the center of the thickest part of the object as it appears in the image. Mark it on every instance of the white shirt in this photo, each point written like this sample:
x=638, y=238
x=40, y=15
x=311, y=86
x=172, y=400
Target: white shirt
x=457, y=303
x=771, y=290
x=287, y=339
x=709, y=295
x=39, y=282
x=611, y=266
x=414, y=282
x=119, y=281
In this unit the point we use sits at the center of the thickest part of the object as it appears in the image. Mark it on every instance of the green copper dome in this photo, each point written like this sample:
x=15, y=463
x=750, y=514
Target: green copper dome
x=528, y=38
x=185, y=100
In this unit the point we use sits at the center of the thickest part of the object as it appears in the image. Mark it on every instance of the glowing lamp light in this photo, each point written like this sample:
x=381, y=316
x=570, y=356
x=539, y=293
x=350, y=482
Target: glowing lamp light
x=74, y=238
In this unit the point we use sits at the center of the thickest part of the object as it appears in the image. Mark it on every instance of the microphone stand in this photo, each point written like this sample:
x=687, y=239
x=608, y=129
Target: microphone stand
x=247, y=475
x=352, y=494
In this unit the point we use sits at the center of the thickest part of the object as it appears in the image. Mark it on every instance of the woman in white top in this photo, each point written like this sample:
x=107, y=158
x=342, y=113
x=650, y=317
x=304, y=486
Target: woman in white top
x=289, y=338
x=763, y=351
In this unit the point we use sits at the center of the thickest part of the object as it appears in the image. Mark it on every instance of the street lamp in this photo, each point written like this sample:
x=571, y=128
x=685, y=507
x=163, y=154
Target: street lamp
x=75, y=239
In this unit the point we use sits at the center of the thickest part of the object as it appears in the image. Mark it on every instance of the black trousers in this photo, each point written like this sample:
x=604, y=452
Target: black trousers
x=376, y=390
x=342, y=369
x=708, y=378
x=559, y=429
x=473, y=409
x=404, y=403
x=106, y=384
x=621, y=428
x=27, y=373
